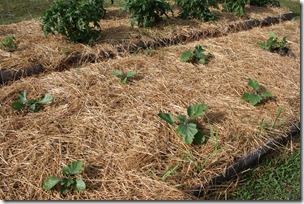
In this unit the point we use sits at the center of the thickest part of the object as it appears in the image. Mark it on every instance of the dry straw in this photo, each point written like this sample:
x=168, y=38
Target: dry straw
x=115, y=130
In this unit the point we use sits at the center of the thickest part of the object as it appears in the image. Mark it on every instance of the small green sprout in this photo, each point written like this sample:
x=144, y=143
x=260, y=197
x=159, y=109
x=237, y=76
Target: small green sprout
x=258, y=96
x=195, y=57
x=33, y=104
x=8, y=44
x=186, y=128
x=273, y=43
x=69, y=181
x=124, y=77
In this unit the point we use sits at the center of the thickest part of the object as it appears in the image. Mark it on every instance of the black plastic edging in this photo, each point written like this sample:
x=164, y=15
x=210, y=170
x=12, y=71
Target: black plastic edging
x=250, y=160
x=76, y=59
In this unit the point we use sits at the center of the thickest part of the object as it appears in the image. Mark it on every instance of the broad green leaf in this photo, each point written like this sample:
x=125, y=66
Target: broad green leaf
x=182, y=118
x=199, y=138
x=198, y=49
x=197, y=110
x=73, y=168
x=266, y=95
x=265, y=45
x=67, y=182
x=22, y=98
x=252, y=98
x=50, y=182
x=79, y=184
x=186, y=56
x=130, y=73
x=253, y=83
x=17, y=105
x=202, y=60
x=272, y=35
x=187, y=131
x=167, y=117
x=123, y=79
x=34, y=107
x=46, y=99
x=116, y=73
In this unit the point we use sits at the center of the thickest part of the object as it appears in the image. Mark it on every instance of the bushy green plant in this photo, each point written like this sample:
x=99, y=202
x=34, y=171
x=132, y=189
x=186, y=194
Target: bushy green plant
x=273, y=43
x=75, y=19
x=258, y=95
x=33, y=104
x=197, y=56
x=147, y=12
x=69, y=181
x=199, y=9
x=124, y=77
x=237, y=7
x=8, y=43
x=264, y=3
x=187, y=128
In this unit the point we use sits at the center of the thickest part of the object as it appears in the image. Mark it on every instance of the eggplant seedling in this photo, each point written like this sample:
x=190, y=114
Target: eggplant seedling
x=33, y=104
x=195, y=57
x=8, y=44
x=258, y=95
x=273, y=43
x=69, y=181
x=186, y=127
x=124, y=77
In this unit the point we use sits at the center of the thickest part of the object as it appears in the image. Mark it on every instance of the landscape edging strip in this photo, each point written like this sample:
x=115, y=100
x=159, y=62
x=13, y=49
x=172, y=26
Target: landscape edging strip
x=250, y=160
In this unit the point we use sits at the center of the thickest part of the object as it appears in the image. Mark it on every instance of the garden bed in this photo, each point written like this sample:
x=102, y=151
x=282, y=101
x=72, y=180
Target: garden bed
x=118, y=39
x=114, y=129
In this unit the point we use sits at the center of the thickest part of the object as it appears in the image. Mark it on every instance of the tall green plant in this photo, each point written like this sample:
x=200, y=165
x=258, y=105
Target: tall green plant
x=237, y=7
x=75, y=19
x=199, y=9
x=147, y=12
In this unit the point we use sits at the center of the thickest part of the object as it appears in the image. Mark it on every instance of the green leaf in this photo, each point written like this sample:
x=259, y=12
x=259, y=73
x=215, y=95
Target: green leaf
x=266, y=95
x=63, y=189
x=186, y=56
x=197, y=110
x=167, y=117
x=46, y=99
x=50, y=182
x=73, y=168
x=22, y=98
x=67, y=182
x=202, y=60
x=17, y=105
x=187, y=131
x=130, y=73
x=252, y=98
x=199, y=138
x=182, y=118
x=34, y=107
x=123, y=79
x=117, y=73
x=265, y=45
x=253, y=83
x=79, y=184
x=272, y=35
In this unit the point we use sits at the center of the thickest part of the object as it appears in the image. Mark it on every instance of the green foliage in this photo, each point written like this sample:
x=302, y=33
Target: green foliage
x=198, y=9
x=69, y=181
x=237, y=7
x=273, y=42
x=8, y=44
x=33, y=104
x=186, y=127
x=75, y=19
x=264, y=3
x=258, y=95
x=147, y=12
x=197, y=56
x=124, y=77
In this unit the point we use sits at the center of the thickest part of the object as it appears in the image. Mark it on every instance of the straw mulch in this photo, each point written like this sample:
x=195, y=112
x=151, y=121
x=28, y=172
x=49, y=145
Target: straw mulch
x=54, y=52
x=114, y=128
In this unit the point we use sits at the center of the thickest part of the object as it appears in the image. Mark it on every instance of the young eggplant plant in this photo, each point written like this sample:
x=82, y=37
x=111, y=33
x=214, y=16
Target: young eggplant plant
x=124, y=77
x=69, y=181
x=187, y=128
x=33, y=104
x=273, y=44
x=195, y=57
x=258, y=95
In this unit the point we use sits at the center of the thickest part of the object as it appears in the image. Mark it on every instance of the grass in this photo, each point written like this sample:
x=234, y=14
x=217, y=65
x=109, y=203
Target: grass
x=276, y=179
x=13, y=11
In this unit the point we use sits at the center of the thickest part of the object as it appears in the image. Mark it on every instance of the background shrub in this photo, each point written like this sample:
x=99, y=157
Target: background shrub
x=147, y=12
x=75, y=19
